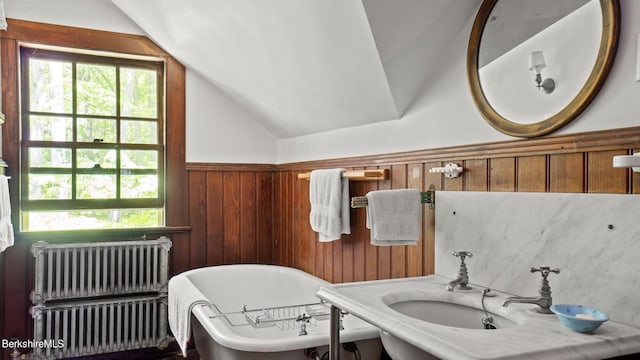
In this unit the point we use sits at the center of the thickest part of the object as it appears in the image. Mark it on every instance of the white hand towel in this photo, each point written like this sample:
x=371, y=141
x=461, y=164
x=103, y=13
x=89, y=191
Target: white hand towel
x=6, y=228
x=329, y=197
x=394, y=216
x=183, y=296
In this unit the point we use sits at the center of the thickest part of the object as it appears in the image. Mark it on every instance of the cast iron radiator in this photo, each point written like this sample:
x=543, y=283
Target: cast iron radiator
x=94, y=298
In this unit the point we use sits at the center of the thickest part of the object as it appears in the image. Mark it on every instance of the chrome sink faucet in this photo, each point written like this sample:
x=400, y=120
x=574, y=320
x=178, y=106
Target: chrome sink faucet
x=544, y=300
x=463, y=276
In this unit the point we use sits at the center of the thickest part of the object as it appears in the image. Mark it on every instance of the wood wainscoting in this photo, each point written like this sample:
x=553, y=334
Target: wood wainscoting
x=569, y=163
x=231, y=215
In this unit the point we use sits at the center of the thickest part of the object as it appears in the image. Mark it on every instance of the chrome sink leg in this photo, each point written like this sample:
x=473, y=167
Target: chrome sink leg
x=334, y=344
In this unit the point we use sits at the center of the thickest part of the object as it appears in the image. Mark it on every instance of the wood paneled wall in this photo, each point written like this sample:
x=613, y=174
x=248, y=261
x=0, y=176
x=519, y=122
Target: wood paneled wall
x=230, y=212
x=572, y=163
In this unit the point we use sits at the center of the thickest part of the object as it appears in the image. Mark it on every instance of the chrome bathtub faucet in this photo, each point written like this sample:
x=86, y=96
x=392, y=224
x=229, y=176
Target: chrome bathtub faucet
x=463, y=276
x=544, y=300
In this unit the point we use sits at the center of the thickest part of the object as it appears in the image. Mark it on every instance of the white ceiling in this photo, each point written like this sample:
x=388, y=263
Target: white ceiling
x=308, y=66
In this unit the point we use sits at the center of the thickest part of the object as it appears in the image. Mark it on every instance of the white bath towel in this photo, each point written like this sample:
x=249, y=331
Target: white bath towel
x=329, y=197
x=394, y=216
x=6, y=228
x=183, y=296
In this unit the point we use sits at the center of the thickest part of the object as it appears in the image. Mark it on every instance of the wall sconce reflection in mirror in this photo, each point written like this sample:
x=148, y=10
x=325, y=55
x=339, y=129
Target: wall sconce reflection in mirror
x=537, y=63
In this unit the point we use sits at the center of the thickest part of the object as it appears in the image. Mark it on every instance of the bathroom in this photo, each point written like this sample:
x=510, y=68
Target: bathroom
x=357, y=84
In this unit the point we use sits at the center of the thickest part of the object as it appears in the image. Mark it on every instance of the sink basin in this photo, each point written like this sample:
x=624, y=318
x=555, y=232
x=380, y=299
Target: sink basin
x=449, y=314
x=436, y=312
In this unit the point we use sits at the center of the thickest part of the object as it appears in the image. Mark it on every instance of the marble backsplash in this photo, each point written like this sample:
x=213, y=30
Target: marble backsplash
x=593, y=238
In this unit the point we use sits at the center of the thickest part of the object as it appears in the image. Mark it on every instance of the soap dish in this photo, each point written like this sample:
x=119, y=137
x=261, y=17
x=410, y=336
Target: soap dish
x=579, y=318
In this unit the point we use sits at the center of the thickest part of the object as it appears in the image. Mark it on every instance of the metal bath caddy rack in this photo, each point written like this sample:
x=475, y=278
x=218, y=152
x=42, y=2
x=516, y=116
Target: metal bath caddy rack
x=283, y=317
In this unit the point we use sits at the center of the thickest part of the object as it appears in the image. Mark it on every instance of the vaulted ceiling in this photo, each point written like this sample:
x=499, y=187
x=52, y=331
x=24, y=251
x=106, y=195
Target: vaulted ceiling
x=307, y=66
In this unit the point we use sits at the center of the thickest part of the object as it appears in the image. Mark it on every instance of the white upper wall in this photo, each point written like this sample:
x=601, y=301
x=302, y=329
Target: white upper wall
x=218, y=130
x=445, y=115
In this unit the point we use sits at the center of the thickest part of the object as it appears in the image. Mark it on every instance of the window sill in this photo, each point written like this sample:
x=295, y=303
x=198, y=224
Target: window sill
x=101, y=234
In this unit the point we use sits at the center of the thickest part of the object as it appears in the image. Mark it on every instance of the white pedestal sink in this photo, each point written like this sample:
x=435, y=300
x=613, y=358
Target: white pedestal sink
x=419, y=319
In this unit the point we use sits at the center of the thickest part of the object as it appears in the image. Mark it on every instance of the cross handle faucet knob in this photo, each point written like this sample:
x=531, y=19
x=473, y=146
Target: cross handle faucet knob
x=462, y=254
x=545, y=270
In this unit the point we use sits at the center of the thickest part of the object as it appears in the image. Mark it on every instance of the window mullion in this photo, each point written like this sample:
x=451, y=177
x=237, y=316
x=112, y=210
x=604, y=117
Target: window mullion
x=118, y=134
x=74, y=117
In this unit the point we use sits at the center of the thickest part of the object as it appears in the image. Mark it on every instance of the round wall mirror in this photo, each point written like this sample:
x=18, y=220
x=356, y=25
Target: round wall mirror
x=535, y=65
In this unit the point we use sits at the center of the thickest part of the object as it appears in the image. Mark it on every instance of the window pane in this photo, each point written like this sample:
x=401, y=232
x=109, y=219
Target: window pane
x=96, y=89
x=49, y=186
x=95, y=186
x=139, y=159
x=89, y=158
x=139, y=132
x=91, y=129
x=139, y=186
x=50, y=128
x=50, y=86
x=92, y=219
x=139, y=91
x=50, y=157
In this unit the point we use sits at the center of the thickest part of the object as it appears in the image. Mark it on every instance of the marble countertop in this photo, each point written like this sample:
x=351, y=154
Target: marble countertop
x=536, y=336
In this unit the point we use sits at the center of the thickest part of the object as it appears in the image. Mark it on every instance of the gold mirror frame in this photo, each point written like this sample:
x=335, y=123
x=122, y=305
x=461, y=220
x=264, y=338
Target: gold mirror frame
x=606, y=55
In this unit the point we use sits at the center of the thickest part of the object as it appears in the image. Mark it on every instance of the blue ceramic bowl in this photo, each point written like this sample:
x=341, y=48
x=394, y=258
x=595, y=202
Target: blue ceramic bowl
x=579, y=318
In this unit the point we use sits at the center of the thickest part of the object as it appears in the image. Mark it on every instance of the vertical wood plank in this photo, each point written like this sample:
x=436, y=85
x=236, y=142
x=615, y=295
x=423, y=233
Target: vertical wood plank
x=430, y=221
x=231, y=217
x=567, y=172
x=319, y=261
x=18, y=259
x=175, y=179
x=311, y=262
x=371, y=251
x=277, y=220
x=347, y=243
x=215, y=218
x=179, y=254
x=415, y=176
x=384, y=252
x=198, y=209
x=283, y=200
x=301, y=244
x=264, y=218
x=291, y=223
x=602, y=176
x=333, y=262
x=635, y=176
x=476, y=175
x=532, y=173
x=248, y=244
x=358, y=232
x=502, y=174
x=329, y=260
x=305, y=237
x=398, y=253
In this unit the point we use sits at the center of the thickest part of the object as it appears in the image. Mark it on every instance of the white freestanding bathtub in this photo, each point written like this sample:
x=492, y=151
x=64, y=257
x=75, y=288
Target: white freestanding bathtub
x=254, y=311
